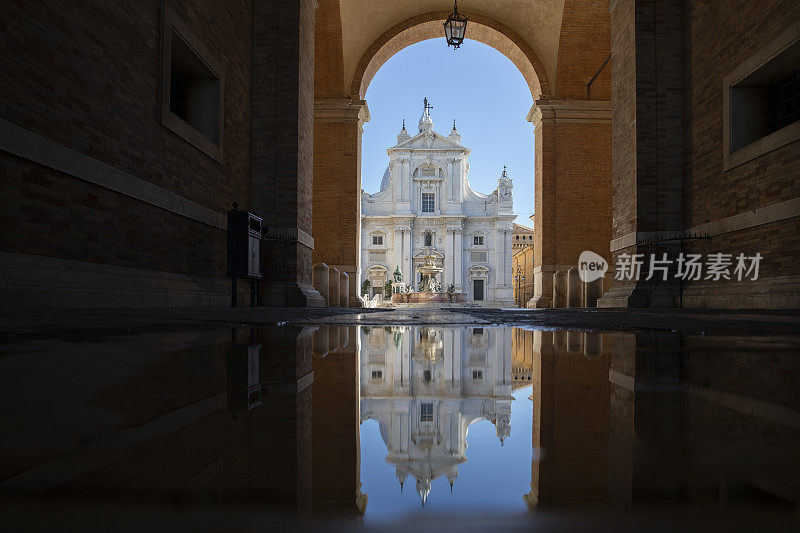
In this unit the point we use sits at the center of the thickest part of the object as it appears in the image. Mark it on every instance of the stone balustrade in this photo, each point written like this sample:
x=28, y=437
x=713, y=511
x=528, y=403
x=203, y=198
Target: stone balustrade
x=570, y=291
x=321, y=280
x=334, y=281
x=344, y=289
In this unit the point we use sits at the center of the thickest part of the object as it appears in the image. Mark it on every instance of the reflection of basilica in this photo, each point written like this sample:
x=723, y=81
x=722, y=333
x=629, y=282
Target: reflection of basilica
x=426, y=386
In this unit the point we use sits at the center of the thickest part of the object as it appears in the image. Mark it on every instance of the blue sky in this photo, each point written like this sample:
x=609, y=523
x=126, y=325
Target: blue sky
x=494, y=478
x=476, y=85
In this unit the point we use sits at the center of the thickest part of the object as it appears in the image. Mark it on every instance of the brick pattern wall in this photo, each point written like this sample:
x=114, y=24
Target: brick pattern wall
x=583, y=45
x=544, y=200
x=647, y=127
x=49, y=213
x=623, y=127
x=282, y=139
x=718, y=37
x=583, y=191
x=86, y=75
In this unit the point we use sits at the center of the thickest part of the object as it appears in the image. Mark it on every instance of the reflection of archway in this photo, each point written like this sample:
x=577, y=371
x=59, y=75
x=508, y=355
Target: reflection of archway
x=428, y=26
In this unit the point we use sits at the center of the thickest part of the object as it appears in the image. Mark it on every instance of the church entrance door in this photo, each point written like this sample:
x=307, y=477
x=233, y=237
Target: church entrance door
x=477, y=290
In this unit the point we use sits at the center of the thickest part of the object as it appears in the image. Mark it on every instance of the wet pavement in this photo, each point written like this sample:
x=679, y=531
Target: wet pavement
x=460, y=425
x=41, y=323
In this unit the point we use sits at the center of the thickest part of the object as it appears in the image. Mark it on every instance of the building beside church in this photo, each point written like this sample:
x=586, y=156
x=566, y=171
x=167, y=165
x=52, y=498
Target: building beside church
x=427, y=222
x=522, y=264
x=426, y=386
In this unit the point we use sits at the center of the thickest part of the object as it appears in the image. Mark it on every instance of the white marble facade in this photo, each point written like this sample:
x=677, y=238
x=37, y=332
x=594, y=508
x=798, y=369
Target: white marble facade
x=426, y=212
x=425, y=386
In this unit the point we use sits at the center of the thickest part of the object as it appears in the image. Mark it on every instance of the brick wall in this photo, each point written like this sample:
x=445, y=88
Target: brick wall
x=623, y=147
x=86, y=76
x=583, y=191
x=49, y=213
x=583, y=45
x=283, y=115
x=718, y=38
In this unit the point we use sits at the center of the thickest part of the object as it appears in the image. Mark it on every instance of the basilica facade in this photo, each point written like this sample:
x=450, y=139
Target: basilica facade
x=427, y=230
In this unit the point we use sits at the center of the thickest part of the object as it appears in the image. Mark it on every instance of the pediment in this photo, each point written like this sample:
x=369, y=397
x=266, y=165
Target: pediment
x=428, y=253
x=479, y=269
x=421, y=141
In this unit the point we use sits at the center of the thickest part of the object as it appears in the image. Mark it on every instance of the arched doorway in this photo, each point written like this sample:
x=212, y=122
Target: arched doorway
x=575, y=132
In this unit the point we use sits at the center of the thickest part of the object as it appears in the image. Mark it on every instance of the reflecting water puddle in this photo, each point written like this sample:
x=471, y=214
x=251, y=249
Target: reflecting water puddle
x=389, y=424
x=428, y=394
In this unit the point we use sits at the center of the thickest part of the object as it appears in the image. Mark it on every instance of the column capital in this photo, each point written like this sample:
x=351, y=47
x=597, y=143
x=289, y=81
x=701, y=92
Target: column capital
x=581, y=111
x=341, y=110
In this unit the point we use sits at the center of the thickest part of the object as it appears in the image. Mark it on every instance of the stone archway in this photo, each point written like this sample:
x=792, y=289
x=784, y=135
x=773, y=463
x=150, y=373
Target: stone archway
x=574, y=132
x=429, y=26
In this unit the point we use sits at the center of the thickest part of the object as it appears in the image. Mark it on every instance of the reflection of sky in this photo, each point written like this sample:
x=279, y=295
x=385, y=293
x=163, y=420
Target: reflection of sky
x=492, y=478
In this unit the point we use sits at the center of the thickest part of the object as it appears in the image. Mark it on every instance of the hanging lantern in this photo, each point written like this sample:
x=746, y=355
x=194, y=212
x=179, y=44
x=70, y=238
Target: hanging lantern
x=455, y=27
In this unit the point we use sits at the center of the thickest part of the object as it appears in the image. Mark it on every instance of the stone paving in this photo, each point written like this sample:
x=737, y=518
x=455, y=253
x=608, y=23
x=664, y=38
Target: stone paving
x=54, y=322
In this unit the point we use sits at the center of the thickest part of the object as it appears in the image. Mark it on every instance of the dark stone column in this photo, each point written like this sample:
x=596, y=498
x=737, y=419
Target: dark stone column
x=647, y=143
x=283, y=144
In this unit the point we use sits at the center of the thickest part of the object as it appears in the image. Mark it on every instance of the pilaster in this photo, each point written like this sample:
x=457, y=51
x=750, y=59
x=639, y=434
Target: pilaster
x=338, y=125
x=572, y=188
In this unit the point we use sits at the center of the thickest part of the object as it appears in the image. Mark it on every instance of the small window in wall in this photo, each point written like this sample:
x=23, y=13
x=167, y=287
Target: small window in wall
x=426, y=412
x=377, y=240
x=428, y=239
x=477, y=331
x=377, y=374
x=477, y=374
x=428, y=202
x=426, y=376
x=477, y=240
x=762, y=108
x=192, y=88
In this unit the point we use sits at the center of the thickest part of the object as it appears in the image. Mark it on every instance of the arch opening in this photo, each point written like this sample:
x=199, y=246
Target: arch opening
x=427, y=26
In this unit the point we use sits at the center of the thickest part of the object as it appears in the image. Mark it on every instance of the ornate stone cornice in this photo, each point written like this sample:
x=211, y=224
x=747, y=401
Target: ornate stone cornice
x=341, y=110
x=570, y=111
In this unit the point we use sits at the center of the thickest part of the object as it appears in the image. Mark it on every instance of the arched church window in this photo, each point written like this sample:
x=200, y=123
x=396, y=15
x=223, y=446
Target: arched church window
x=428, y=238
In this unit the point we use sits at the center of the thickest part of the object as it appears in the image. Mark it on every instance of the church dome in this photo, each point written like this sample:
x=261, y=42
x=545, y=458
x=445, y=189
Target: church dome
x=385, y=180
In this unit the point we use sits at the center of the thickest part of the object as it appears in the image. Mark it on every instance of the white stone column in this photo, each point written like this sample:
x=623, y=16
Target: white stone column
x=458, y=260
x=448, y=258
x=397, y=247
x=499, y=262
x=405, y=181
x=509, y=253
x=407, y=251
